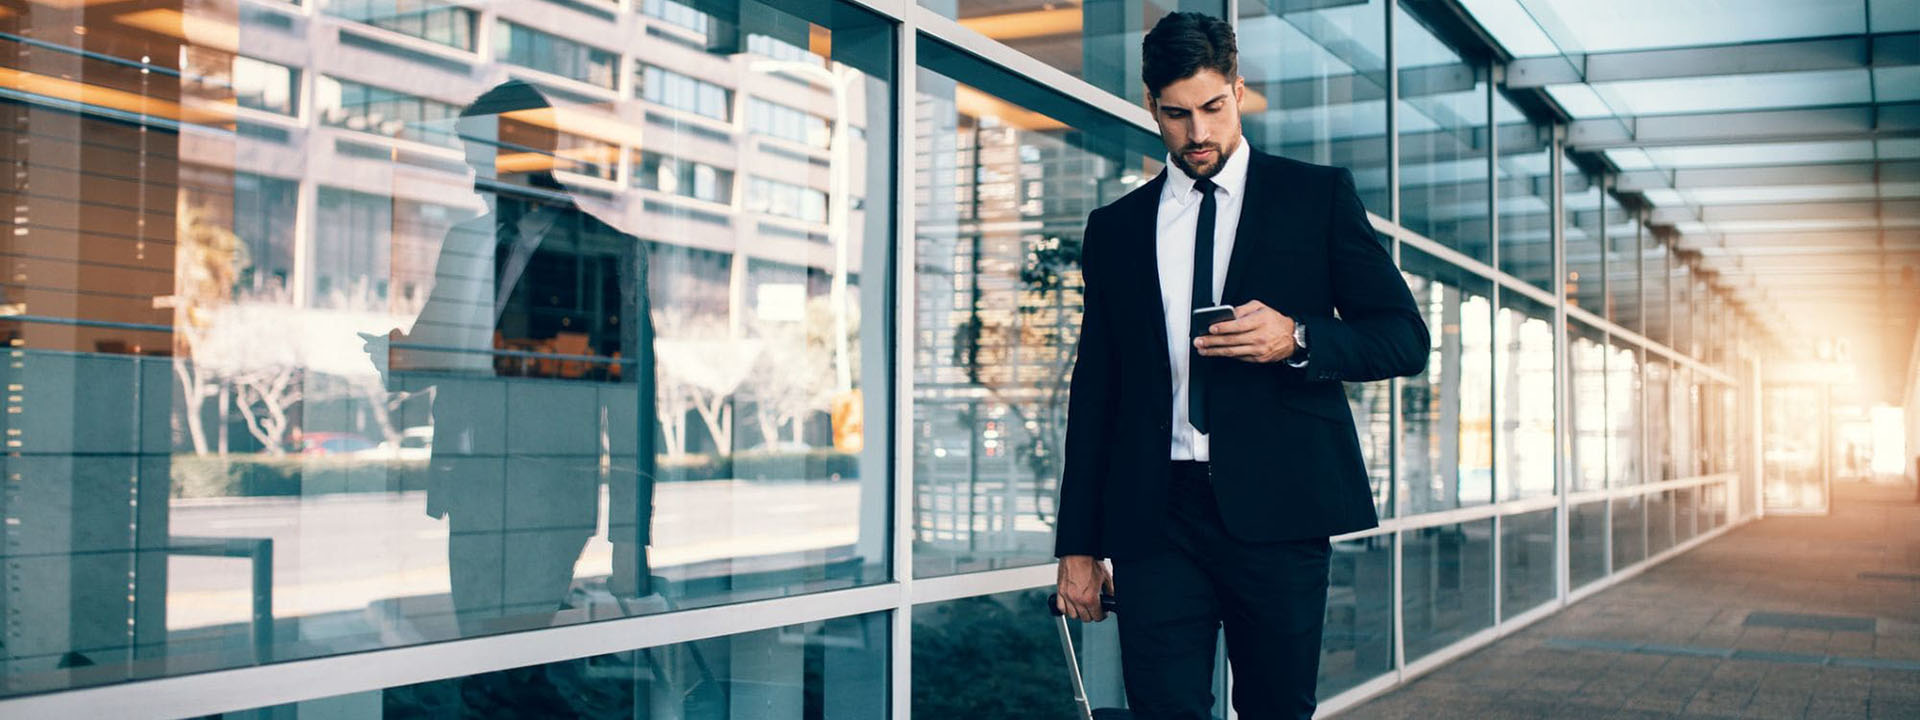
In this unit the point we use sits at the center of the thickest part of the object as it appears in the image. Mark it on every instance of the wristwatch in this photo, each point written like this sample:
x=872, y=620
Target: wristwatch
x=1299, y=356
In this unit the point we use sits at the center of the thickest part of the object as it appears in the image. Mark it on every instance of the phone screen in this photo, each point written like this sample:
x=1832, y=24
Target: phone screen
x=1206, y=318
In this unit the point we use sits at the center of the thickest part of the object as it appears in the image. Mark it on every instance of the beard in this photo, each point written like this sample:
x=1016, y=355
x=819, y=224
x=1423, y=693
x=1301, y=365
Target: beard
x=1220, y=153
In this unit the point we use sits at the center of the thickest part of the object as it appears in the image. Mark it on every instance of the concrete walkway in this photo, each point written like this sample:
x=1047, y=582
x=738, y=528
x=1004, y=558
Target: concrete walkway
x=1785, y=617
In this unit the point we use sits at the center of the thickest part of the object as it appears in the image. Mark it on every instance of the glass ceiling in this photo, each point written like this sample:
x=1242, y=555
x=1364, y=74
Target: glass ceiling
x=1742, y=123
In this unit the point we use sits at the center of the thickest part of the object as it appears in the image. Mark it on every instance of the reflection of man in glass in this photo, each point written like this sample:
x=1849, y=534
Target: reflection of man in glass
x=536, y=287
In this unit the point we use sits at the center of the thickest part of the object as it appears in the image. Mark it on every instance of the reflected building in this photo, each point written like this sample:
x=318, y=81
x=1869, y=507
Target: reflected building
x=210, y=201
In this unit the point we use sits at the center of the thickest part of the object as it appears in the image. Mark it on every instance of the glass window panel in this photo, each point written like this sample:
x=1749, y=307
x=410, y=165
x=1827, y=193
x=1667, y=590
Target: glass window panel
x=1524, y=368
x=1629, y=531
x=1623, y=267
x=1680, y=420
x=1744, y=154
x=584, y=415
x=1004, y=192
x=1526, y=561
x=833, y=668
x=1587, y=551
x=1800, y=193
x=1447, y=593
x=995, y=656
x=1659, y=424
x=527, y=47
x=1893, y=15
x=1007, y=642
x=1317, y=86
x=440, y=22
x=1730, y=93
x=1581, y=101
x=1446, y=434
x=1443, y=142
x=1356, y=642
x=685, y=93
x=1587, y=393
x=1094, y=40
x=1657, y=292
x=1680, y=304
x=1578, y=26
x=1585, y=280
x=1660, y=522
x=1524, y=176
x=250, y=83
x=1512, y=27
x=366, y=108
x=1624, y=415
x=1686, y=514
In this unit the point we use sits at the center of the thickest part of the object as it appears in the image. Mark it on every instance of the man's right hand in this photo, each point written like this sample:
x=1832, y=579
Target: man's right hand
x=1081, y=579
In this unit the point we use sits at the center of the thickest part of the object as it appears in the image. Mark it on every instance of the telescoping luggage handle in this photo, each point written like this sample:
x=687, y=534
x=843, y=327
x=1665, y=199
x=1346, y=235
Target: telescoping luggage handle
x=1107, y=603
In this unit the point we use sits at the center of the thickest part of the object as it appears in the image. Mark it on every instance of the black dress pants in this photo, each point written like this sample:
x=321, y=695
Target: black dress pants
x=1270, y=597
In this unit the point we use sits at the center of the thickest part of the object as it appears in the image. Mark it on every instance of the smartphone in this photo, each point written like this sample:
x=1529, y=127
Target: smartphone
x=1206, y=318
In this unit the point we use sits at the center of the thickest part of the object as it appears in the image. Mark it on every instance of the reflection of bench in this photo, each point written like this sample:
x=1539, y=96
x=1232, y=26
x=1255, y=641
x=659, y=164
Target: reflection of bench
x=260, y=551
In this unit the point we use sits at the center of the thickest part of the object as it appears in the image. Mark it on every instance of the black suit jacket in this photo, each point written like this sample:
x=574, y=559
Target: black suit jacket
x=1286, y=460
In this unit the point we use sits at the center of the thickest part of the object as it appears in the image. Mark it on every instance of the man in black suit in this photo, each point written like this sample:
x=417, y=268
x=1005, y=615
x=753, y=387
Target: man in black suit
x=1211, y=464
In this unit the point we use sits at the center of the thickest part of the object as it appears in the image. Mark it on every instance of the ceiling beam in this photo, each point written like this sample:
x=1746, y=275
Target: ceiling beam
x=1770, y=175
x=1860, y=51
x=1851, y=122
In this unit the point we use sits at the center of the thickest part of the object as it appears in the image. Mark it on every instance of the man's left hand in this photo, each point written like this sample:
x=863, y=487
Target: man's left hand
x=1256, y=334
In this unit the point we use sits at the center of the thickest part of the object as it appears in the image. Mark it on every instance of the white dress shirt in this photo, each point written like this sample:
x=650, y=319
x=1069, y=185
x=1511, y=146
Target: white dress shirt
x=1175, y=226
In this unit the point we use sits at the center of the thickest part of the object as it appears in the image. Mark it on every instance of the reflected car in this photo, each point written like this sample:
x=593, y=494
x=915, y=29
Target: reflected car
x=333, y=443
x=416, y=443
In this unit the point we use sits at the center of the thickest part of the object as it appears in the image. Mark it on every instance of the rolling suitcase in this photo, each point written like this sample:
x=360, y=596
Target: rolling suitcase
x=1108, y=603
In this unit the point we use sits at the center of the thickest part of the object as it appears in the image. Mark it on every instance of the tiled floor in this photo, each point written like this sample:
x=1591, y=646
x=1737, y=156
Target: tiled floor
x=1678, y=640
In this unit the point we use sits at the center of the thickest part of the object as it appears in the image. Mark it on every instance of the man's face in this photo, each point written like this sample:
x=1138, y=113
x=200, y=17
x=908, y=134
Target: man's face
x=1199, y=119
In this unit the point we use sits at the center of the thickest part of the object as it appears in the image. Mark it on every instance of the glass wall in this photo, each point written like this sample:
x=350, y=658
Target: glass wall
x=1587, y=406
x=1524, y=369
x=432, y=359
x=1624, y=305
x=1003, y=191
x=999, y=656
x=1446, y=439
x=1527, y=561
x=1524, y=180
x=1626, y=431
x=1657, y=420
x=1585, y=249
x=1095, y=40
x=1587, y=550
x=1317, y=86
x=361, y=327
x=833, y=668
x=1447, y=593
x=1443, y=142
x=1357, y=641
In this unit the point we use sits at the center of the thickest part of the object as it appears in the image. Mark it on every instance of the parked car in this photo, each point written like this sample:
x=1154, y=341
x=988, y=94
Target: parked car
x=416, y=443
x=333, y=443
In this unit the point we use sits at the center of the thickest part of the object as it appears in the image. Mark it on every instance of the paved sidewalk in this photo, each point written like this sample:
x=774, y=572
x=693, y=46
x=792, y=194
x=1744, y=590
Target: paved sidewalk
x=1782, y=618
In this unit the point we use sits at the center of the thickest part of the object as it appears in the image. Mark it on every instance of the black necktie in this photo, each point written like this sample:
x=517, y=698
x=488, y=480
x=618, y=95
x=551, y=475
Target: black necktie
x=1202, y=298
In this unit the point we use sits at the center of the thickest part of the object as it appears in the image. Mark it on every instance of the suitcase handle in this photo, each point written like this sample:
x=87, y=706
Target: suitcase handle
x=1108, y=603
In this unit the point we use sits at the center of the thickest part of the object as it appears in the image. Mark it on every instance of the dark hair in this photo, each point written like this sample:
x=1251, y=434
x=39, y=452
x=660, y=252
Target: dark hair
x=1184, y=43
x=505, y=98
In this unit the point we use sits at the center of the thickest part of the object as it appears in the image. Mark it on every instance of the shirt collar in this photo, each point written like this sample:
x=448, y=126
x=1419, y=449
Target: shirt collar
x=1232, y=178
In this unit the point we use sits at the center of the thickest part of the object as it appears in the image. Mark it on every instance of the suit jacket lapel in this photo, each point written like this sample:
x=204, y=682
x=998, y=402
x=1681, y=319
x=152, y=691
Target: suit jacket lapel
x=1257, y=225
x=1143, y=251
